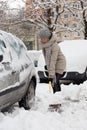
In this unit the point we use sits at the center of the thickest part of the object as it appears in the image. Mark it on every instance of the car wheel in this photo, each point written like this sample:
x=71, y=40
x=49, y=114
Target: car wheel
x=28, y=101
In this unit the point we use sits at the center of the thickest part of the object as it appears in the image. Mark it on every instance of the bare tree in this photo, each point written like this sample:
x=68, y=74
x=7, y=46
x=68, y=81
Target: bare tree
x=3, y=8
x=84, y=14
x=12, y=20
x=48, y=13
x=44, y=12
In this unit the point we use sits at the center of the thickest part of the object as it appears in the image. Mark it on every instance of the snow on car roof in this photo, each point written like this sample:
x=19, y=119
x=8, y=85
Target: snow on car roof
x=75, y=52
x=11, y=40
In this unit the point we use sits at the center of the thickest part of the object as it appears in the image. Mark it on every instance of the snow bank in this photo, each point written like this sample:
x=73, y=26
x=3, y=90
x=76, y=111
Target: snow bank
x=72, y=117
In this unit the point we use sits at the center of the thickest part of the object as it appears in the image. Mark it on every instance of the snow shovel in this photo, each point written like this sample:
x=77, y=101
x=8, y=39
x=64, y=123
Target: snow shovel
x=53, y=107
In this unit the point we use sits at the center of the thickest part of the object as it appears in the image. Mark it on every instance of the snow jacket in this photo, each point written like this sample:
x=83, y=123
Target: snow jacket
x=54, y=58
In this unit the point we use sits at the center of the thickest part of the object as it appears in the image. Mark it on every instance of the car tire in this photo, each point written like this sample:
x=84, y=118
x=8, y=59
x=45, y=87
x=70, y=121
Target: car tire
x=28, y=101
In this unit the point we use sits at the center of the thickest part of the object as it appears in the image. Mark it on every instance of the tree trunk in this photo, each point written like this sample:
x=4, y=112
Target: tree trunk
x=49, y=19
x=84, y=20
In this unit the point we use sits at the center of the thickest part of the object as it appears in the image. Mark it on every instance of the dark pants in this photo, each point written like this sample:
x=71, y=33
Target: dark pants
x=56, y=83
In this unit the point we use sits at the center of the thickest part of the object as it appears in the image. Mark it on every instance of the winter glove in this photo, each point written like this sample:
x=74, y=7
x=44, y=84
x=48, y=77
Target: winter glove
x=50, y=80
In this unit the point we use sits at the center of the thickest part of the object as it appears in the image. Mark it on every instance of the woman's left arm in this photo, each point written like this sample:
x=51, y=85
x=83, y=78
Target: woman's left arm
x=54, y=56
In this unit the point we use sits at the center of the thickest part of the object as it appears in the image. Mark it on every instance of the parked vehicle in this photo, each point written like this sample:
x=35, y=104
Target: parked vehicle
x=17, y=73
x=75, y=52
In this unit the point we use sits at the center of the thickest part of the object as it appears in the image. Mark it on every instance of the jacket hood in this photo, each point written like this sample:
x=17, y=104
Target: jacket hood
x=49, y=43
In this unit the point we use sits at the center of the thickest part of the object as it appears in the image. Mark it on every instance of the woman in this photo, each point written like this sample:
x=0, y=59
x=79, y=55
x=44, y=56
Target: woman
x=54, y=58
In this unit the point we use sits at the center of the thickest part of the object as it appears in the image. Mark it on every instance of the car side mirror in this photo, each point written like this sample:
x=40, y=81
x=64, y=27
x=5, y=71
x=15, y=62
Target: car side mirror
x=1, y=58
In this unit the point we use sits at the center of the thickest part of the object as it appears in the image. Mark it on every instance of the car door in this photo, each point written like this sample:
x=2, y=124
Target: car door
x=6, y=74
x=4, y=65
x=20, y=67
x=25, y=63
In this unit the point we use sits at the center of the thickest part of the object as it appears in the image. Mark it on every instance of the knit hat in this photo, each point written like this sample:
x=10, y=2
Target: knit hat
x=45, y=33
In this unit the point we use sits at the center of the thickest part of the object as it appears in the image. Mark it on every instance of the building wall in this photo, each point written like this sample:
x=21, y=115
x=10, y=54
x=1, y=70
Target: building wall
x=71, y=21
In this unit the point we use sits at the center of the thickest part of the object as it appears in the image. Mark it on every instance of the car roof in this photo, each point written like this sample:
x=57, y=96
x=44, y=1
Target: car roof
x=11, y=37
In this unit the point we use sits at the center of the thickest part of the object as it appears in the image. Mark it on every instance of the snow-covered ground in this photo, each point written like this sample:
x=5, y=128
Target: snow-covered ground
x=71, y=116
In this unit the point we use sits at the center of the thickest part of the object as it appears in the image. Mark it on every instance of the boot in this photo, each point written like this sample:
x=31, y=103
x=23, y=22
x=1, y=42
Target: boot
x=56, y=89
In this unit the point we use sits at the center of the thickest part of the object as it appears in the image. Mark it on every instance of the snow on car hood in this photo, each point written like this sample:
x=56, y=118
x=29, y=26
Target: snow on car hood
x=75, y=52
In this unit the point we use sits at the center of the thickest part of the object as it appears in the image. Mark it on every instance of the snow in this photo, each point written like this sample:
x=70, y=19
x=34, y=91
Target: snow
x=34, y=55
x=16, y=3
x=75, y=52
x=73, y=115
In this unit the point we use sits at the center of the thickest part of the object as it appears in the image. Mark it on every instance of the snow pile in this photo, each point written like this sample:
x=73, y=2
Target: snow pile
x=72, y=117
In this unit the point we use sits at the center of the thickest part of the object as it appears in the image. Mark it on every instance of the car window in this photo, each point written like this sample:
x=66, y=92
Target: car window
x=18, y=52
x=22, y=50
x=2, y=46
x=16, y=48
x=23, y=53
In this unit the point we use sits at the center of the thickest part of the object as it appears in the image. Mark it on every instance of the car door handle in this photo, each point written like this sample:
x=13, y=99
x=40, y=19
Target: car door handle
x=13, y=72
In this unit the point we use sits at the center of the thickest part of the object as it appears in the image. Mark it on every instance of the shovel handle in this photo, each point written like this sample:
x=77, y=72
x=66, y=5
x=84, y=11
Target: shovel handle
x=50, y=87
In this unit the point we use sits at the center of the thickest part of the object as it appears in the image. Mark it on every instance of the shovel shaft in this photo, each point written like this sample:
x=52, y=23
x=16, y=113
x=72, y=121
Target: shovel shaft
x=50, y=87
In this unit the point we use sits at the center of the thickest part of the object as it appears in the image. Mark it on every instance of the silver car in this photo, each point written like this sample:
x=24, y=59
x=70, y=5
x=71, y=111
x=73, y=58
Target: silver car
x=17, y=73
